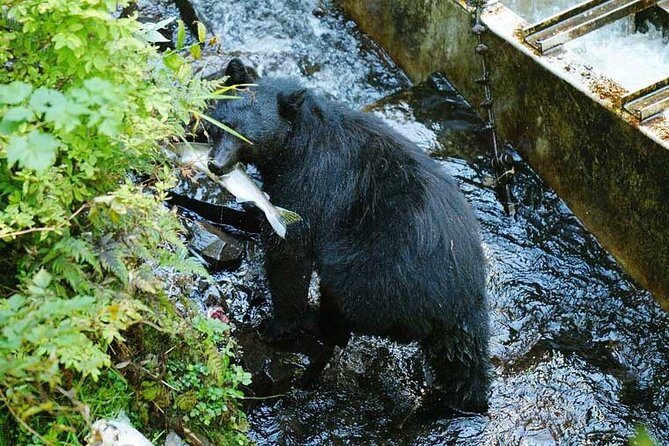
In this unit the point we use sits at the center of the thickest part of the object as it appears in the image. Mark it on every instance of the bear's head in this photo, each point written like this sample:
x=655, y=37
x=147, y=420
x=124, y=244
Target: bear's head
x=262, y=112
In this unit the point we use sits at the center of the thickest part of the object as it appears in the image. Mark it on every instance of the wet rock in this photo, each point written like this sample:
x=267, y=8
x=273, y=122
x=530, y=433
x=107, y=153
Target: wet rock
x=435, y=117
x=275, y=368
x=219, y=249
x=152, y=10
x=246, y=290
x=210, y=298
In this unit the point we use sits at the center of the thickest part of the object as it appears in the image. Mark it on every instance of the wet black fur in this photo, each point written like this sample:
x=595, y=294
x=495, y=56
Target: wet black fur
x=392, y=238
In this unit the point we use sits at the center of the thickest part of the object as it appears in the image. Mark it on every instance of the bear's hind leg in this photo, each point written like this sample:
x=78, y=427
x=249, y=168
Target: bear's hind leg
x=461, y=374
x=332, y=330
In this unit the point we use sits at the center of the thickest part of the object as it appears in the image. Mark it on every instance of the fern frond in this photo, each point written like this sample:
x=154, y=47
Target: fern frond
x=112, y=259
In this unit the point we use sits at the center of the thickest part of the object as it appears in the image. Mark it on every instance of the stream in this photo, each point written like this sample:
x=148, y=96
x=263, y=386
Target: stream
x=579, y=351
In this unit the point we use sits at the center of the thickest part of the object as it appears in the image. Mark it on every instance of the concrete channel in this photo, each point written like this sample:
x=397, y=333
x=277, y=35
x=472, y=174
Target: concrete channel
x=602, y=146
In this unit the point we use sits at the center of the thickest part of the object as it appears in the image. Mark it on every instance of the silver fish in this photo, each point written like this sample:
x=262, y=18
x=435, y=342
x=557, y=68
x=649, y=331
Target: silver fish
x=239, y=184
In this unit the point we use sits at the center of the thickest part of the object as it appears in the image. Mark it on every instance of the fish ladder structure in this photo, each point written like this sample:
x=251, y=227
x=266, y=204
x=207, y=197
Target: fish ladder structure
x=590, y=16
x=596, y=132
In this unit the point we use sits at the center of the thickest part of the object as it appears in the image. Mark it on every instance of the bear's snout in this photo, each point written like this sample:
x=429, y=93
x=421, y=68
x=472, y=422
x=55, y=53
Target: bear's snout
x=216, y=169
x=222, y=157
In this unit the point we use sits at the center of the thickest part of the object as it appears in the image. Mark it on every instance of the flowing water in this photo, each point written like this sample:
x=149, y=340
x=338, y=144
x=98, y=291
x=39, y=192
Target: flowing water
x=579, y=351
x=612, y=50
x=301, y=38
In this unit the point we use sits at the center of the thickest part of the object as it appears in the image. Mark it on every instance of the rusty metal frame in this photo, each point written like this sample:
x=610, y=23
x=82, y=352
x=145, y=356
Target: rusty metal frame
x=579, y=20
x=648, y=101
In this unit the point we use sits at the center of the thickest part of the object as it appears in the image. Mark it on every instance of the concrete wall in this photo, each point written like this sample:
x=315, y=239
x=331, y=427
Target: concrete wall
x=567, y=123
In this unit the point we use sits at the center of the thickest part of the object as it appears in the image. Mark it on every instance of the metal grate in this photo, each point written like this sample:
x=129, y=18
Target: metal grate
x=579, y=20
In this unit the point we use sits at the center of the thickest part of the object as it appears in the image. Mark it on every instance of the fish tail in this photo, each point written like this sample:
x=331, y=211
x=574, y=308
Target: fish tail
x=289, y=217
x=277, y=223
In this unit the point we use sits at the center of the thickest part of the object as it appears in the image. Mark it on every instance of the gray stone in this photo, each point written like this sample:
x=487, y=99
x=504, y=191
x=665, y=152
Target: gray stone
x=219, y=249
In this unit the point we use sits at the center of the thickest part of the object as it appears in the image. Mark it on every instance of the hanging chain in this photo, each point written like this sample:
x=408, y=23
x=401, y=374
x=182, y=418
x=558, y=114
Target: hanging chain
x=502, y=162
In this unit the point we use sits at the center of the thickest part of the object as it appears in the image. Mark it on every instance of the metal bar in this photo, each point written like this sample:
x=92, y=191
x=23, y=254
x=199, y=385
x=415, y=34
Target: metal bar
x=663, y=5
x=562, y=16
x=585, y=22
x=645, y=91
x=648, y=101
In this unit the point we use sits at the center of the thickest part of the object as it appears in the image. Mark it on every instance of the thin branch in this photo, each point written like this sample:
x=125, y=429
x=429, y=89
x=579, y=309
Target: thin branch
x=80, y=210
x=28, y=231
x=21, y=421
x=47, y=228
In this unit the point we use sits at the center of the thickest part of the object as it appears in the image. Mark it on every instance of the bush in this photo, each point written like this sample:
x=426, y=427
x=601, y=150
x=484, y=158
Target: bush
x=86, y=103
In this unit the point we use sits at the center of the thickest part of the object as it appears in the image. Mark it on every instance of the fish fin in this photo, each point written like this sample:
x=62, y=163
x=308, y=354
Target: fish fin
x=277, y=224
x=289, y=217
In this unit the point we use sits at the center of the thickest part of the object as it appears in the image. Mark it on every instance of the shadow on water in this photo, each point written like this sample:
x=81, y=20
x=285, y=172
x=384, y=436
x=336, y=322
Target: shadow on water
x=580, y=353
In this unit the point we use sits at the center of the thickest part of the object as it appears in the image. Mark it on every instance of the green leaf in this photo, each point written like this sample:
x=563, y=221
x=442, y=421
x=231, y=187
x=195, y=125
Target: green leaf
x=99, y=87
x=641, y=437
x=110, y=126
x=66, y=40
x=14, y=93
x=37, y=151
x=181, y=35
x=220, y=125
x=57, y=108
x=18, y=114
x=43, y=99
x=196, y=51
x=111, y=259
x=13, y=118
x=150, y=30
x=173, y=61
x=201, y=32
x=42, y=279
x=162, y=24
x=155, y=37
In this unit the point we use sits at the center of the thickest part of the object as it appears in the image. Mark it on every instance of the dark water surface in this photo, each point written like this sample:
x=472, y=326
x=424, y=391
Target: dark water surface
x=580, y=352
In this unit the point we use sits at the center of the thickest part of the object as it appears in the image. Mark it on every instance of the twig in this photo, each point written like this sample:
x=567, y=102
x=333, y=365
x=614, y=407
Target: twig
x=79, y=211
x=83, y=409
x=23, y=423
x=268, y=397
x=28, y=231
x=166, y=384
x=46, y=228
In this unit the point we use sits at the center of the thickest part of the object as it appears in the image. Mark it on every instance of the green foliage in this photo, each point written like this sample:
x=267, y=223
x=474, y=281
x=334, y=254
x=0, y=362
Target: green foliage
x=196, y=384
x=86, y=103
x=641, y=437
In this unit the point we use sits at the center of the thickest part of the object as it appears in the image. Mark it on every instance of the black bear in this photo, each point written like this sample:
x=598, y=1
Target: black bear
x=393, y=240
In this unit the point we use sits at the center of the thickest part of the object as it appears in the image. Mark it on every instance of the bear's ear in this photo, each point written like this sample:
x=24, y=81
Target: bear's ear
x=236, y=73
x=289, y=103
